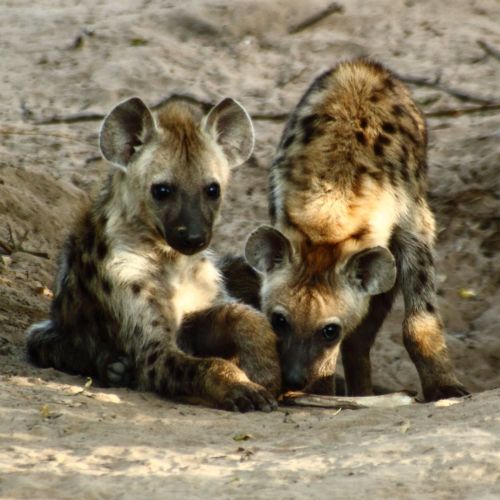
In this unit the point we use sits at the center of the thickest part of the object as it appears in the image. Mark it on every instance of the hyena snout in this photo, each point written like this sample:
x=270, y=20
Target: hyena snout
x=189, y=233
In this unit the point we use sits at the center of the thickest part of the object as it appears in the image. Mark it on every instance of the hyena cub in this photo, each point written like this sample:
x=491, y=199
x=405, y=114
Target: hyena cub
x=352, y=227
x=135, y=282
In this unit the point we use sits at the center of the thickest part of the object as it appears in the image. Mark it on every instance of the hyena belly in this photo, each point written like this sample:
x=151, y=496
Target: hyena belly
x=351, y=227
x=136, y=285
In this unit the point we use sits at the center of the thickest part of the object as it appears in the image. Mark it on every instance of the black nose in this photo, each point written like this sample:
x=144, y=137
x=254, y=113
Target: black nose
x=294, y=380
x=194, y=240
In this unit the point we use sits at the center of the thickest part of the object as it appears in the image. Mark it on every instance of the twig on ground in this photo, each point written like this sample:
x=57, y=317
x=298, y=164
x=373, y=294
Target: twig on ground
x=491, y=51
x=332, y=8
x=435, y=83
x=12, y=246
x=86, y=116
x=352, y=403
x=462, y=111
x=8, y=130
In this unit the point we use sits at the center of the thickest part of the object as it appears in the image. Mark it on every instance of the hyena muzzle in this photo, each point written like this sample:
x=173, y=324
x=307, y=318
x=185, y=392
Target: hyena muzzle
x=137, y=292
x=351, y=227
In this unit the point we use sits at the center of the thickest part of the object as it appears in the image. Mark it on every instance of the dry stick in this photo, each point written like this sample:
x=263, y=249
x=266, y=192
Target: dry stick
x=315, y=18
x=489, y=49
x=462, y=111
x=461, y=95
x=7, y=130
x=205, y=106
x=12, y=247
x=86, y=116
x=352, y=403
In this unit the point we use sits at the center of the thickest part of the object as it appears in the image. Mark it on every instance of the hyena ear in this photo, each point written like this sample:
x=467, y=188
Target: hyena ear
x=128, y=126
x=372, y=271
x=232, y=128
x=267, y=249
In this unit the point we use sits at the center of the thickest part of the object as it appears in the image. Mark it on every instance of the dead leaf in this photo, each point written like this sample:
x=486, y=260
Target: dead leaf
x=467, y=293
x=242, y=437
x=45, y=412
x=44, y=292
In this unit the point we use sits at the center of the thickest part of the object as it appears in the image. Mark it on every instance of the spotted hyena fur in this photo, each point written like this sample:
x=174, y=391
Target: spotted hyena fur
x=351, y=227
x=137, y=292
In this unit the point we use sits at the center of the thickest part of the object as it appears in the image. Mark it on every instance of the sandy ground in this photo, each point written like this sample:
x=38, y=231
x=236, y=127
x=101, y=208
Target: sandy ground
x=61, y=57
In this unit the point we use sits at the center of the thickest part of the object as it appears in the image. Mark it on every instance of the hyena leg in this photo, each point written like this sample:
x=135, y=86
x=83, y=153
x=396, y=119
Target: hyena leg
x=239, y=333
x=422, y=327
x=47, y=347
x=171, y=372
x=356, y=347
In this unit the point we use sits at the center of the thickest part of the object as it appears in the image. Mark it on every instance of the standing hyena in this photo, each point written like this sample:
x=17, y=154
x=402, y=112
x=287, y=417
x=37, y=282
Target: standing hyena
x=134, y=280
x=352, y=226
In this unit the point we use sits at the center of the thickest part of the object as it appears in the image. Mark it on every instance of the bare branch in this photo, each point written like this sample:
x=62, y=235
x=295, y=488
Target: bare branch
x=462, y=111
x=352, y=403
x=332, y=8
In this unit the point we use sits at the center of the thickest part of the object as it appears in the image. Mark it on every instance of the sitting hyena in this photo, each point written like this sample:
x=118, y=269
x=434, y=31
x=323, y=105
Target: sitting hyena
x=352, y=226
x=135, y=283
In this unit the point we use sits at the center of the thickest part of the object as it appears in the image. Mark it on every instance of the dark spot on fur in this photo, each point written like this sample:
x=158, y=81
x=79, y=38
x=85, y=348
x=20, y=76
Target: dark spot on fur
x=378, y=148
x=136, y=288
x=308, y=125
x=363, y=123
x=152, y=357
x=430, y=307
x=155, y=323
x=388, y=127
x=288, y=141
x=361, y=137
x=89, y=270
x=106, y=286
x=374, y=98
x=397, y=110
x=383, y=139
x=422, y=277
x=102, y=249
x=389, y=83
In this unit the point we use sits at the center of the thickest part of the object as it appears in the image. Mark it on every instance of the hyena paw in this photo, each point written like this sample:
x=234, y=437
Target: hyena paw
x=248, y=396
x=445, y=392
x=120, y=372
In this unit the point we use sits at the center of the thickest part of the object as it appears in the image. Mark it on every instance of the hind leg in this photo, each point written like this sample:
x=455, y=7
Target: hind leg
x=356, y=348
x=422, y=328
x=47, y=347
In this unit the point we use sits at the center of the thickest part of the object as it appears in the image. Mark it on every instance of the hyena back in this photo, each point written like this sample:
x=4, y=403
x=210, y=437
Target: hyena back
x=135, y=280
x=351, y=227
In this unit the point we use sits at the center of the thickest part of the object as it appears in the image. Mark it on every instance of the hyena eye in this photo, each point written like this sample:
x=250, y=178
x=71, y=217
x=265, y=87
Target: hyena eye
x=213, y=191
x=161, y=192
x=279, y=323
x=331, y=332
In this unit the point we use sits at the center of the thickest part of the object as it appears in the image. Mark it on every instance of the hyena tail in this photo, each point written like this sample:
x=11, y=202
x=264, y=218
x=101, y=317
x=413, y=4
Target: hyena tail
x=40, y=341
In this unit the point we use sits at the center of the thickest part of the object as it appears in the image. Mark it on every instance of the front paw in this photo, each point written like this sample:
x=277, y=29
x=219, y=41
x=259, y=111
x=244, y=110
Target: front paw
x=445, y=391
x=248, y=396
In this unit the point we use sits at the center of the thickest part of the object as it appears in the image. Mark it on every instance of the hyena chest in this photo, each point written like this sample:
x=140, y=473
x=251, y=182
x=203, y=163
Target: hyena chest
x=194, y=288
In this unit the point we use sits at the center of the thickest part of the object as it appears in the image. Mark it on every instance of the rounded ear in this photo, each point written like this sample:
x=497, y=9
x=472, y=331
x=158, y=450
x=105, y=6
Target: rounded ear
x=267, y=249
x=129, y=125
x=372, y=271
x=232, y=128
